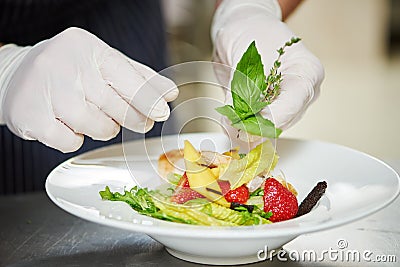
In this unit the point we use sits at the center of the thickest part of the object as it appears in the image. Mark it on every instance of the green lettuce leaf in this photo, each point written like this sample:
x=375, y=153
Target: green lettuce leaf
x=261, y=159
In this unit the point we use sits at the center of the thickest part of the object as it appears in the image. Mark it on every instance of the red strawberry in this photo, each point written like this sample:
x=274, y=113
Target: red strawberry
x=182, y=195
x=183, y=182
x=183, y=192
x=279, y=200
x=238, y=195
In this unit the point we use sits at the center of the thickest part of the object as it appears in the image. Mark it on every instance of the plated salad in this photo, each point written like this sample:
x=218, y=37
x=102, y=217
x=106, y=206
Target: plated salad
x=219, y=189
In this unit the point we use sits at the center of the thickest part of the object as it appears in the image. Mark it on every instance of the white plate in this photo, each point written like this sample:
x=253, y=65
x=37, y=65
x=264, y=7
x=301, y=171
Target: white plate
x=358, y=185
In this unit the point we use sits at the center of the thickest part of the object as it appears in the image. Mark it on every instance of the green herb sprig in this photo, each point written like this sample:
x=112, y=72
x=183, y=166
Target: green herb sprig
x=274, y=78
x=252, y=91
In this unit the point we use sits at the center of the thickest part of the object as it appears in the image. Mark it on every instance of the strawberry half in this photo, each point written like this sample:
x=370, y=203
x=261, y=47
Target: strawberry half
x=279, y=200
x=238, y=195
x=183, y=182
x=183, y=192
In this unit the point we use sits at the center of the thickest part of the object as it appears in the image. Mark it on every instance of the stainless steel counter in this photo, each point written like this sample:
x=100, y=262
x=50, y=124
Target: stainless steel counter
x=34, y=232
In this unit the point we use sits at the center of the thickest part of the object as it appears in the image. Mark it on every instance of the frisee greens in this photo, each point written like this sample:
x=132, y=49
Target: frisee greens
x=141, y=201
x=252, y=91
x=196, y=211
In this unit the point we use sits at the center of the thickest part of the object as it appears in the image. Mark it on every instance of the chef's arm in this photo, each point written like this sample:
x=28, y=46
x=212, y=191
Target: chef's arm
x=287, y=6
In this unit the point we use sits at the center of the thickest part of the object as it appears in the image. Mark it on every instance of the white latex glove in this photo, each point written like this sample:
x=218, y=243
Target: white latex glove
x=74, y=84
x=236, y=24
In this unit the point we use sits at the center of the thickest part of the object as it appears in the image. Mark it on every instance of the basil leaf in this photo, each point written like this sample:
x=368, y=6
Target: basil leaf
x=257, y=125
x=229, y=112
x=241, y=107
x=248, y=89
x=257, y=107
x=249, y=80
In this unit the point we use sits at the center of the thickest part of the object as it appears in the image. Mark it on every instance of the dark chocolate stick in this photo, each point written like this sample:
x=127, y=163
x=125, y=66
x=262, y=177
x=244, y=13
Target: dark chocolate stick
x=312, y=199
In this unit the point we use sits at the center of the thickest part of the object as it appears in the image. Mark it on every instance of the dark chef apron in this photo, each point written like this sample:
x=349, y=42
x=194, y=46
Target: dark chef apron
x=135, y=27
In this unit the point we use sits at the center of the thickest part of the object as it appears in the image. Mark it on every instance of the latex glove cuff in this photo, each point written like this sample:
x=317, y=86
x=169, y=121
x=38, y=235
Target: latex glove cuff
x=11, y=56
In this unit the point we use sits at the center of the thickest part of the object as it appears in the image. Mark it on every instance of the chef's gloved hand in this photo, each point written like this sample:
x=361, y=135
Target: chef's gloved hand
x=235, y=25
x=74, y=84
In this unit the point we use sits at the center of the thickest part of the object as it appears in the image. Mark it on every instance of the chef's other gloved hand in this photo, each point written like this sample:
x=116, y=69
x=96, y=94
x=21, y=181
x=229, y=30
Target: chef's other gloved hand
x=236, y=24
x=74, y=84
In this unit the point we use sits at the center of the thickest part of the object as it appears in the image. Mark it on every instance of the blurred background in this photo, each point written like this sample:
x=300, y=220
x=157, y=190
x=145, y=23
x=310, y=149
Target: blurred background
x=357, y=41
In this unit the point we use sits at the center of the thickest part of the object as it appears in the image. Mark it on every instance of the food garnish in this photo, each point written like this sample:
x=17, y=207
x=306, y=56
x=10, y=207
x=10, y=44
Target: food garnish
x=252, y=91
